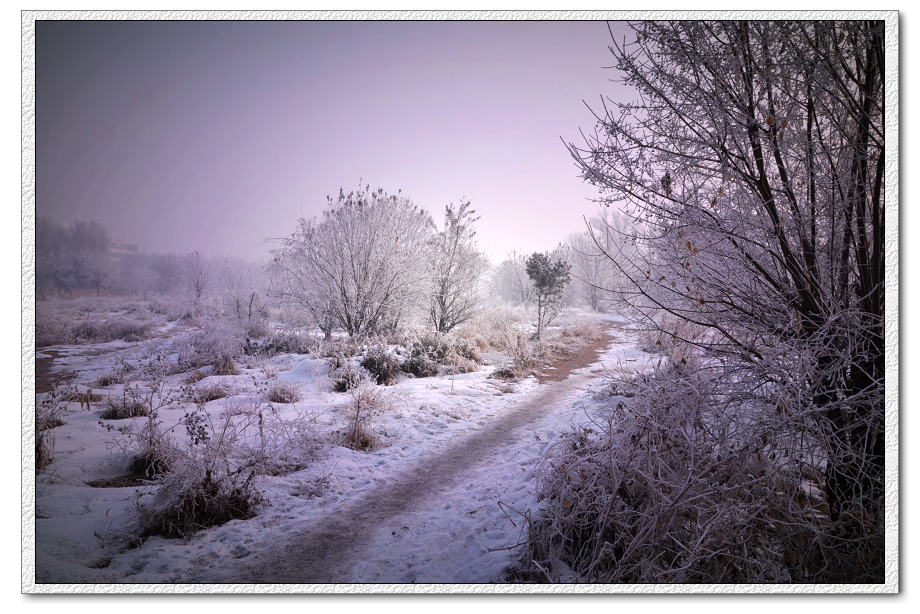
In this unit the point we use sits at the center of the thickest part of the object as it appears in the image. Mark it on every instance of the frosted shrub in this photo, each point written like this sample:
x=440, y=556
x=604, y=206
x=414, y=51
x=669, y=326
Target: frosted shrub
x=420, y=365
x=285, y=445
x=121, y=373
x=428, y=352
x=51, y=330
x=209, y=482
x=366, y=403
x=489, y=329
x=669, y=485
x=216, y=345
x=382, y=364
x=338, y=348
x=196, y=496
x=173, y=309
x=277, y=343
x=151, y=448
x=346, y=376
x=49, y=414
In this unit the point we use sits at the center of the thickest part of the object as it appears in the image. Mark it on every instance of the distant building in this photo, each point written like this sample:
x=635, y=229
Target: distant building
x=122, y=247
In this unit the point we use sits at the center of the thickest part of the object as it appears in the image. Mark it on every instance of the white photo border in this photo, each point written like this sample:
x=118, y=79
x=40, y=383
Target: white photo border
x=892, y=426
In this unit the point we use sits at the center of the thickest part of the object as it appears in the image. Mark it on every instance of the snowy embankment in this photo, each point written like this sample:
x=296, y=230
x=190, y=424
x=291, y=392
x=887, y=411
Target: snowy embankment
x=441, y=499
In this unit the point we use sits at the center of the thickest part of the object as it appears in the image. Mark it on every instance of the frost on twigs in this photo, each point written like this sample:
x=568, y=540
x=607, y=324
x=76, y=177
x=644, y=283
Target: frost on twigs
x=209, y=482
x=366, y=402
x=49, y=414
x=195, y=496
x=217, y=345
x=684, y=483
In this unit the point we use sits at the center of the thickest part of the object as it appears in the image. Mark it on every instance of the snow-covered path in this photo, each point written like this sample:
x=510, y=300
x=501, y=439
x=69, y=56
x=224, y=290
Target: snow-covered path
x=444, y=498
x=433, y=502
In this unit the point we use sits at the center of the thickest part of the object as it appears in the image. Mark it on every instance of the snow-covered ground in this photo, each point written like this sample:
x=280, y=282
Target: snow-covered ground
x=442, y=499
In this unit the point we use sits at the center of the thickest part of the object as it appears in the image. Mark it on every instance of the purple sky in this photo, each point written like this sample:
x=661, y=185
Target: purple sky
x=216, y=135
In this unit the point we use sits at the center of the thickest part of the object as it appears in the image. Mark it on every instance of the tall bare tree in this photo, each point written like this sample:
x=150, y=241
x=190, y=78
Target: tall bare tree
x=196, y=277
x=510, y=280
x=753, y=165
x=456, y=266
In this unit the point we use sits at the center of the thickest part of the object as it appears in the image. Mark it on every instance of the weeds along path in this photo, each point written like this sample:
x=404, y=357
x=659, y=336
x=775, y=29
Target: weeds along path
x=326, y=550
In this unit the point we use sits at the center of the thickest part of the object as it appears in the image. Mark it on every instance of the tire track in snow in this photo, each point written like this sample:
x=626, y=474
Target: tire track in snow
x=326, y=550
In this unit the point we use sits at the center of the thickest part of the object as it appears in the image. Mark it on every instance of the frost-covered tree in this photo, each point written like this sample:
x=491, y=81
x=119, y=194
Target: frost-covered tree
x=361, y=266
x=456, y=267
x=753, y=163
x=72, y=256
x=550, y=277
x=241, y=291
x=510, y=281
x=51, y=262
x=167, y=270
x=91, y=256
x=594, y=276
x=195, y=277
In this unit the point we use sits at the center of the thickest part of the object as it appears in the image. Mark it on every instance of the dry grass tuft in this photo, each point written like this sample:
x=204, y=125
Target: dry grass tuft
x=130, y=405
x=197, y=498
x=365, y=403
x=208, y=393
x=283, y=392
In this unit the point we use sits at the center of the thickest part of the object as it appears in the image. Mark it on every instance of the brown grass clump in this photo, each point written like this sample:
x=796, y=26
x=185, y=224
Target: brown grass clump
x=129, y=405
x=360, y=440
x=283, y=392
x=507, y=374
x=205, y=394
x=49, y=414
x=84, y=398
x=195, y=376
x=122, y=481
x=109, y=379
x=192, y=500
x=225, y=366
x=44, y=450
x=364, y=405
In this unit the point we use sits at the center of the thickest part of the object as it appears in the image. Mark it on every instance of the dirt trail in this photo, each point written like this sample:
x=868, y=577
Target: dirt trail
x=325, y=551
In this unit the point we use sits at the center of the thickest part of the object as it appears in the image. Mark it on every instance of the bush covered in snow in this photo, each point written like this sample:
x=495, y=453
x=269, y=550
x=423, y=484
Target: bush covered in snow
x=209, y=482
x=287, y=444
x=428, y=353
x=346, y=376
x=420, y=365
x=381, y=363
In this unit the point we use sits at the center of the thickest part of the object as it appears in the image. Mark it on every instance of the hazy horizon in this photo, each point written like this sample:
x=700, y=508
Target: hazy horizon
x=217, y=135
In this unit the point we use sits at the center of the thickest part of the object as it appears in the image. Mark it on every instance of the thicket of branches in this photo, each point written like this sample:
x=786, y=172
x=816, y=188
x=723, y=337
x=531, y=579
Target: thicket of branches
x=752, y=164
